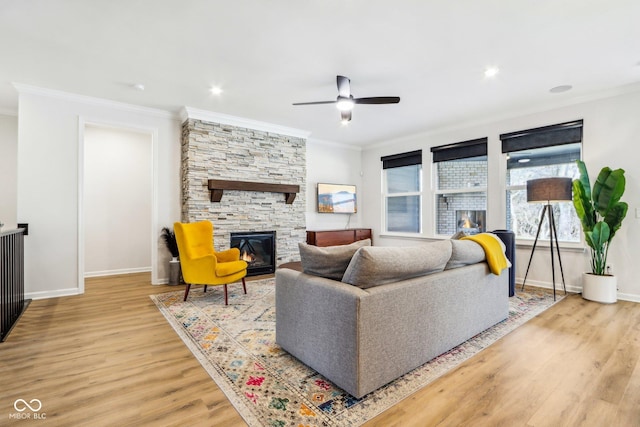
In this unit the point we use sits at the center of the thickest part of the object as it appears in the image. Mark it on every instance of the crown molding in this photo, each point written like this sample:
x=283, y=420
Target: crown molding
x=225, y=119
x=89, y=100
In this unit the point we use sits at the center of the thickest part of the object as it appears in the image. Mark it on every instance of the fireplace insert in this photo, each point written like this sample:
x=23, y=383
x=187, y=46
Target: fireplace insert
x=258, y=249
x=471, y=221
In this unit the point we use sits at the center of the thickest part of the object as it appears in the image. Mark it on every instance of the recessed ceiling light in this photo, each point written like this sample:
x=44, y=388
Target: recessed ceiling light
x=215, y=90
x=560, y=89
x=491, y=71
x=138, y=86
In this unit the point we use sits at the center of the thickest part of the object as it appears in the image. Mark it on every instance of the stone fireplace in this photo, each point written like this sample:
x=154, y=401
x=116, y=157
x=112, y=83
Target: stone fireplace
x=219, y=151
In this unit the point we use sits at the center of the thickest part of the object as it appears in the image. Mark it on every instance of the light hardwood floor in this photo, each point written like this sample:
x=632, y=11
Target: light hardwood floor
x=109, y=358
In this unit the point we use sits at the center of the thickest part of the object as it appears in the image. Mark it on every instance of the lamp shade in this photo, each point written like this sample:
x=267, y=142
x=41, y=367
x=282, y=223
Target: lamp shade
x=549, y=190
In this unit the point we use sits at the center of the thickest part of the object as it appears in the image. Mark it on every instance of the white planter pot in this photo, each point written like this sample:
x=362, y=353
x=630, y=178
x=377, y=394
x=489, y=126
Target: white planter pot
x=599, y=288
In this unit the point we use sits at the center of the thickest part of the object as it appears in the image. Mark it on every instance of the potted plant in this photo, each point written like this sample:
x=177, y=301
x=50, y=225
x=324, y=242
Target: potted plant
x=601, y=213
x=169, y=238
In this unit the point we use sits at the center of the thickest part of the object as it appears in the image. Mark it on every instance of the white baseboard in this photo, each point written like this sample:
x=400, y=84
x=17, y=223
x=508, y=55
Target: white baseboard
x=548, y=285
x=52, y=294
x=116, y=272
x=629, y=297
x=571, y=288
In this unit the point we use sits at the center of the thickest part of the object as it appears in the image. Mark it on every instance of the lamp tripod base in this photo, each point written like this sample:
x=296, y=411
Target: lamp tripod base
x=553, y=236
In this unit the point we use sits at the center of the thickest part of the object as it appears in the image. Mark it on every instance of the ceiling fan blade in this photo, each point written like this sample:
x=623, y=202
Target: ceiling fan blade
x=314, y=103
x=378, y=100
x=345, y=116
x=344, y=86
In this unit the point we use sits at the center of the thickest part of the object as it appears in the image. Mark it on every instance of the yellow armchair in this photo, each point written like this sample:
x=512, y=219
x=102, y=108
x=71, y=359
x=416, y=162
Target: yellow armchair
x=201, y=264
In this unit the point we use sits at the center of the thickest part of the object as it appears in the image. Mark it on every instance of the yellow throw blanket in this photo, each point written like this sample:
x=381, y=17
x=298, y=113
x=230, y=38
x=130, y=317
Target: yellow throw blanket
x=493, y=251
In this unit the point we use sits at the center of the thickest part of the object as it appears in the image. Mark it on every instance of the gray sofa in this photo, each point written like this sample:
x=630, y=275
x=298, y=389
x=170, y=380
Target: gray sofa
x=361, y=337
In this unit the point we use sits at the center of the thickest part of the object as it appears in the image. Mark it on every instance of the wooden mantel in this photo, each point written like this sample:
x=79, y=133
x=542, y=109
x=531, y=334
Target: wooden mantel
x=217, y=187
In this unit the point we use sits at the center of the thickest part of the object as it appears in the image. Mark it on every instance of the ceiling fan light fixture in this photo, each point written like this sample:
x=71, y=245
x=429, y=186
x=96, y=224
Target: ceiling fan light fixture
x=345, y=104
x=345, y=101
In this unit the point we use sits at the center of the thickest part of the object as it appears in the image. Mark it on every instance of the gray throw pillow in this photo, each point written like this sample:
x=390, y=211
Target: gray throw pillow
x=328, y=261
x=465, y=252
x=377, y=265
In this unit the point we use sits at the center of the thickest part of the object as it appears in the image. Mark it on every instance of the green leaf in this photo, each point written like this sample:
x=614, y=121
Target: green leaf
x=600, y=235
x=598, y=186
x=614, y=217
x=589, y=240
x=583, y=206
x=608, y=189
x=584, y=178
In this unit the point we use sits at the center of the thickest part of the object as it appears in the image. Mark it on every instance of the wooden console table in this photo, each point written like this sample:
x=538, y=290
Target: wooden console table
x=337, y=237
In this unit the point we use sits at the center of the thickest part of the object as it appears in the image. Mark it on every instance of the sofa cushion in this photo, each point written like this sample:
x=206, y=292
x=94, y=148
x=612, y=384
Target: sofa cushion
x=328, y=261
x=377, y=265
x=465, y=252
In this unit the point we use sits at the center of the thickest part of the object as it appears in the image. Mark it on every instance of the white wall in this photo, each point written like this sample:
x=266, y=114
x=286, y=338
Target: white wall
x=50, y=181
x=8, y=170
x=611, y=138
x=334, y=164
x=117, y=201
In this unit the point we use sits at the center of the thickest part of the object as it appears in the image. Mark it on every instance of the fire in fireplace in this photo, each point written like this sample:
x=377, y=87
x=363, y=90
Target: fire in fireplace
x=258, y=249
x=470, y=221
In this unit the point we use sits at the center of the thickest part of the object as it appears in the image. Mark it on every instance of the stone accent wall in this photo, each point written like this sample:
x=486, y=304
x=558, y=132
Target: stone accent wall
x=446, y=220
x=458, y=175
x=219, y=151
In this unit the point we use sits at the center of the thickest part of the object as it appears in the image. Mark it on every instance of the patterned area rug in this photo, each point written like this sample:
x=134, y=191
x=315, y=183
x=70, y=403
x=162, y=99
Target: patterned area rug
x=268, y=387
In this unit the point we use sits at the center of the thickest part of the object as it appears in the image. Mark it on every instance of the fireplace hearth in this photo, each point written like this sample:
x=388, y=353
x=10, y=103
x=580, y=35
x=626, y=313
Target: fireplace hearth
x=258, y=249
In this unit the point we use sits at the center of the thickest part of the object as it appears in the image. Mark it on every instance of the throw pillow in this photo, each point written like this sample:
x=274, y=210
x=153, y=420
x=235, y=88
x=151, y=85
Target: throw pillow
x=328, y=261
x=377, y=265
x=465, y=252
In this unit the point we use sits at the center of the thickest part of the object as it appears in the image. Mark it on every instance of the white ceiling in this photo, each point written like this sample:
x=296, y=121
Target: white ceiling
x=268, y=54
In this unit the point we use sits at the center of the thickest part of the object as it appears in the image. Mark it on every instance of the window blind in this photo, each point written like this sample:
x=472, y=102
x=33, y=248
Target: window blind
x=403, y=159
x=460, y=150
x=546, y=136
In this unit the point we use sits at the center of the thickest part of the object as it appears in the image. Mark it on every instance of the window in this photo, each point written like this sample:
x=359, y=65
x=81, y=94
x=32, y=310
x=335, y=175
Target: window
x=402, y=192
x=460, y=187
x=550, y=151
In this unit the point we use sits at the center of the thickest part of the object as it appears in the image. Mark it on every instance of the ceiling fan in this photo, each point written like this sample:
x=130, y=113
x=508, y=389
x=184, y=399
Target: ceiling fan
x=345, y=100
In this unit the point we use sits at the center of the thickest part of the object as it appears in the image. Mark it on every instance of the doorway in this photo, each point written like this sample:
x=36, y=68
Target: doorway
x=116, y=201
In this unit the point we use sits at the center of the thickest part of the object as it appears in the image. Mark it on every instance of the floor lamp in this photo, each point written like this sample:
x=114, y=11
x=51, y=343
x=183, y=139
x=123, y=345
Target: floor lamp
x=548, y=190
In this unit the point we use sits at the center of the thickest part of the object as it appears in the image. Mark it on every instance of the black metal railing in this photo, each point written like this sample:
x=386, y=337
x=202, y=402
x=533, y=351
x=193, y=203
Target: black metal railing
x=12, y=302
